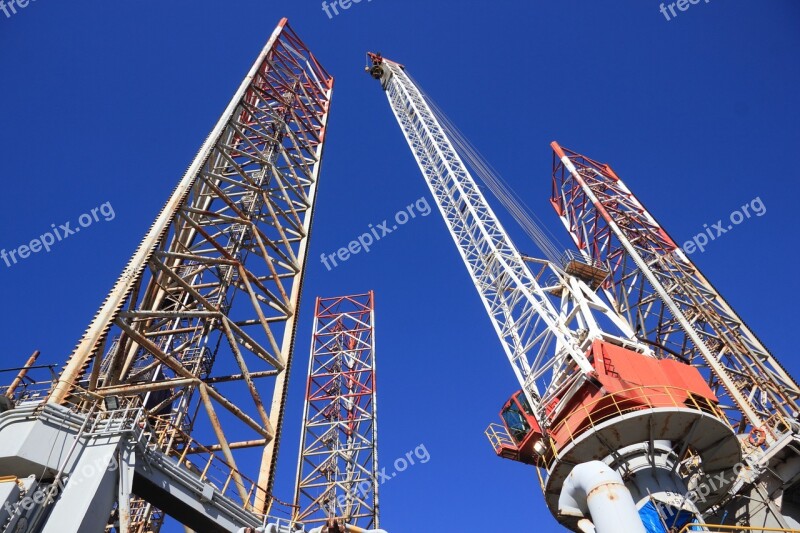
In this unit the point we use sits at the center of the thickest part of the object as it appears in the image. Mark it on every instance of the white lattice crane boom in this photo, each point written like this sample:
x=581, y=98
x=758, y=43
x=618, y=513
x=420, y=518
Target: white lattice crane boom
x=544, y=318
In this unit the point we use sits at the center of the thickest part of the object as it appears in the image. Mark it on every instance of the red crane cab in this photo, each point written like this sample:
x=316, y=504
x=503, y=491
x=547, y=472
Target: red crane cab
x=524, y=441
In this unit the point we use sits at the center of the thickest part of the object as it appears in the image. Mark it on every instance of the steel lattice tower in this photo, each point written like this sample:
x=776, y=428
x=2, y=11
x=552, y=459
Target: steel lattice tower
x=338, y=465
x=675, y=309
x=664, y=296
x=189, y=355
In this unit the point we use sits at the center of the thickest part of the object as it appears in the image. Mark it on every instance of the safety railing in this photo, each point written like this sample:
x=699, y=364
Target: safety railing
x=193, y=456
x=207, y=464
x=627, y=401
x=716, y=528
x=590, y=270
x=776, y=427
x=32, y=383
x=216, y=471
x=572, y=256
x=588, y=417
x=498, y=436
x=125, y=415
x=30, y=392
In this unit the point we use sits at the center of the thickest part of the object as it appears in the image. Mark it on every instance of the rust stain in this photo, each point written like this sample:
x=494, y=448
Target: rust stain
x=606, y=490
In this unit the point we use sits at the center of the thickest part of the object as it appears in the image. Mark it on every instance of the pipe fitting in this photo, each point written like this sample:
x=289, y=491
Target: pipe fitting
x=595, y=492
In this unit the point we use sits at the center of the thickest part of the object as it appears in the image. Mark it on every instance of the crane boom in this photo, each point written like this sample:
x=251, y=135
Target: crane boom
x=545, y=319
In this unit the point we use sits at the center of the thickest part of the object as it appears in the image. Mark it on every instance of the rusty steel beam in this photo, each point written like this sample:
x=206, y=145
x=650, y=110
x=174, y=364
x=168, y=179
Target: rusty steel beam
x=22, y=373
x=233, y=446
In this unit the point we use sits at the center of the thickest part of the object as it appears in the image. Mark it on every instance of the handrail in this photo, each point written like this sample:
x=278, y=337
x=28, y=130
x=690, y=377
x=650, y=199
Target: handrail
x=571, y=255
x=646, y=397
x=649, y=397
x=618, y=403
x=498, y=435
x=720, y=528
x=210, y=467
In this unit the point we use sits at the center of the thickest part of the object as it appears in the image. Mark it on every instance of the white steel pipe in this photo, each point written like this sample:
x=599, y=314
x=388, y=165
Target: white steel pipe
x=596, y=492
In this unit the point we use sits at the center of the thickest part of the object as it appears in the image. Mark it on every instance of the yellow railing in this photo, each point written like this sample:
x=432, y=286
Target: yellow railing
x=716, y=528
x=777, y=426
x=614, y=405
x=498, y=436
x=621, y=403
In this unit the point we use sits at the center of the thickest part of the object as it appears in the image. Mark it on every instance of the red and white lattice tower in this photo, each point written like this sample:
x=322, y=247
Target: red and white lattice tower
x=337, y=470
x=675, y=309
x=664, y=295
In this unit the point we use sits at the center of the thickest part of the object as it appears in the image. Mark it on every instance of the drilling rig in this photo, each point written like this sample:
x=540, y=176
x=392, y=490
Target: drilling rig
x=337, y=473
x=182, y=374
x=645, y=402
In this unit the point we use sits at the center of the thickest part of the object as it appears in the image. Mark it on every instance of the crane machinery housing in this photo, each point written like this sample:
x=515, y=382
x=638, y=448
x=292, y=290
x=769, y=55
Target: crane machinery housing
x=636, y=376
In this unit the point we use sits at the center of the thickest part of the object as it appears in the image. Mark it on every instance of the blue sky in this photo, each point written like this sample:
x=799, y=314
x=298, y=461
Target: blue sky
x=108, y=101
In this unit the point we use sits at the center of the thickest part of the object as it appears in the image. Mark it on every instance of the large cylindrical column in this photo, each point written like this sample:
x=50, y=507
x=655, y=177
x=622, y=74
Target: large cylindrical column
x=595, y=491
